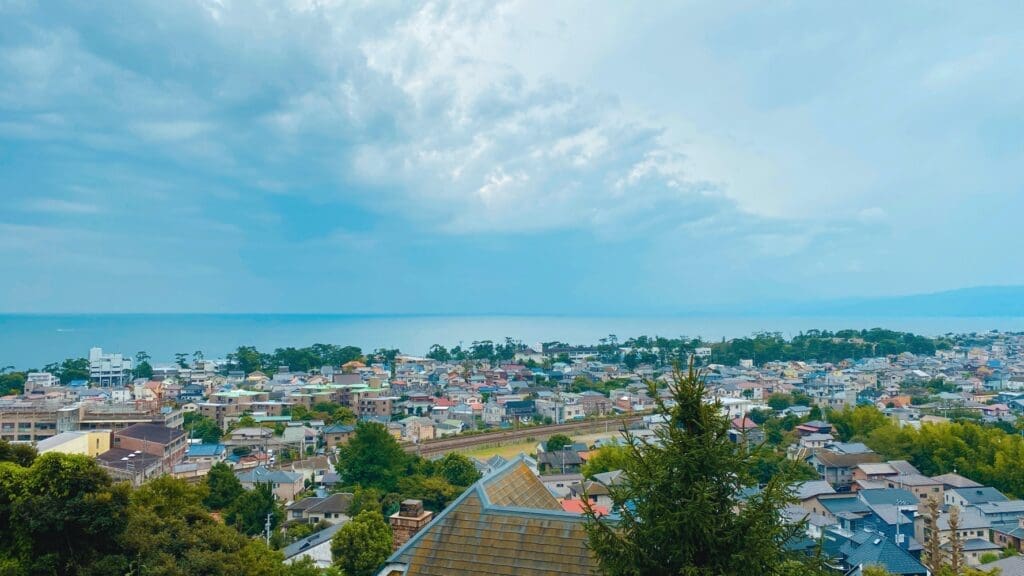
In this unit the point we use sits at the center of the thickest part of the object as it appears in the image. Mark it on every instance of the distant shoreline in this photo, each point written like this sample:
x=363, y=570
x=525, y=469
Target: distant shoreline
x=33, y=340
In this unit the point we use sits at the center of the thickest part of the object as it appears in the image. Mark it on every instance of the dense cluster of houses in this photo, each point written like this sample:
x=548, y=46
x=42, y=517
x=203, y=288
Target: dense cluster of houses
x=870, y=511
x=867, y=510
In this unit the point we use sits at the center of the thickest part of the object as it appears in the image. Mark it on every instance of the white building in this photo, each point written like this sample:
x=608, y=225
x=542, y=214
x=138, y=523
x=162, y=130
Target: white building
x=560, y=411
x=109, y=369
x=36, y=380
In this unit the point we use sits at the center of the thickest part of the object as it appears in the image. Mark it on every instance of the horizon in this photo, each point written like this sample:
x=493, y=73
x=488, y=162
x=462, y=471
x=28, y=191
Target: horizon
x=510, y=158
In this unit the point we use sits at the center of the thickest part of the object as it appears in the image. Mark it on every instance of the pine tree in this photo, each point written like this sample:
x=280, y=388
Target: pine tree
x=679, y=507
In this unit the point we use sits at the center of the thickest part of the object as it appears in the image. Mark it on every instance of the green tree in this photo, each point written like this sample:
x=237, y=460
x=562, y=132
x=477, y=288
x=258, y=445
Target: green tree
x=203, y=427
x=439, y=353
x=780, y=401
x=684, y=514
x=248, y=513
x=557, y=442
x=857, y=423
x=12, y=382
x=20, y=454
x=372, y=458
x=67, y=516
x=143, y=369
x=70, y=370
x=170, y=533
x=434, y=491
x=606, y=459
x=181, y=359
x=458, y=470
x=362, y=545
x=223, y=487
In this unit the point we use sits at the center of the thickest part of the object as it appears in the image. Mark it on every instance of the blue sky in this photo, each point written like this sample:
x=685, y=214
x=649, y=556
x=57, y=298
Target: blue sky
x=520, y=157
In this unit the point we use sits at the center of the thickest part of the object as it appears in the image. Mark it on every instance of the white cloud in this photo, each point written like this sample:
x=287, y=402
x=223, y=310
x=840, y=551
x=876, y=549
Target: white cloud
x=61, y=206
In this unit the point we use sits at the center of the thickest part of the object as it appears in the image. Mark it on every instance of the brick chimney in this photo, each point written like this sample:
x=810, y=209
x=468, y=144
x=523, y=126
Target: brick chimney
x=410, y=519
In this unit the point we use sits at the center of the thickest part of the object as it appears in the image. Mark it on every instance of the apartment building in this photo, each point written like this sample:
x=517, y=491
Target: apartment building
x=109, y=369
x=38, y=380
x=168, y=444
x=36, y=420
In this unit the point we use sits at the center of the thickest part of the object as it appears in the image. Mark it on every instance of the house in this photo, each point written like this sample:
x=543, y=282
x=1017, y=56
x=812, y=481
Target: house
x=418, y=428
x=506, y=523
x=332, y=509
x=815, y=440
x=212, y=453
x=560, y=461
x=837, y=469
x=596, y=492
x=337, y=434
x=1009, y=534
x=954, y=480
x=971, y=524
x=285, y=484
x=1012, y=566
x=745, y=430
x=964, y=497
x=920, y=485
x=813, y=427
x=560, y=485
x=869, y=548
x=973, y=549
x=316, y=546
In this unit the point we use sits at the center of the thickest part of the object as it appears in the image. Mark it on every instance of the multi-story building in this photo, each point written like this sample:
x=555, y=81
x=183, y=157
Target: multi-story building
x=32, y=420
x=559, y=410
x=25, y=421
x=168, y=444
x=87, y=443
x=37, y=380
x=109, y=369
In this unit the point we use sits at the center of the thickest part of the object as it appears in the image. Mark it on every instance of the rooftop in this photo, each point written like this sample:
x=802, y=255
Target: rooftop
x=505, y=524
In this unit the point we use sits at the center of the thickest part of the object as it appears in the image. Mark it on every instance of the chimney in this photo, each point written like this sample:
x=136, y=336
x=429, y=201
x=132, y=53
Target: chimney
x=410, y=519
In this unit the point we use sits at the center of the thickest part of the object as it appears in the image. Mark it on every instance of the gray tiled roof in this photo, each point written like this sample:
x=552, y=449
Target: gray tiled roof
x=311, y=541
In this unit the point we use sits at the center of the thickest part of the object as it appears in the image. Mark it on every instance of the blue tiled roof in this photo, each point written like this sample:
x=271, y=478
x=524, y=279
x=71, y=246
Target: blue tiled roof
x=876, y=496
x=880, y=551
x=205, y=450
x=848, y=504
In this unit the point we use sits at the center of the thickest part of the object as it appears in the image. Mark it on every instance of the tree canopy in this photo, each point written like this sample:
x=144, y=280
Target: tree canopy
x=362, y=544
x=679, y=505
x=372, y=458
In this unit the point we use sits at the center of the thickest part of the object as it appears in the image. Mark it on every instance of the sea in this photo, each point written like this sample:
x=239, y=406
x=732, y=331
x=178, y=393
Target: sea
x=33, y=340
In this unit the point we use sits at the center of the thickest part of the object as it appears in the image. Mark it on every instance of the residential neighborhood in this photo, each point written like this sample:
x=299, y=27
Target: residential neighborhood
x=285, y=428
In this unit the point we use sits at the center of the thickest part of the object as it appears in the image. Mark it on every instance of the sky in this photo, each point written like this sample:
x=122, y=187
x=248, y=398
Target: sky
x=504, y=157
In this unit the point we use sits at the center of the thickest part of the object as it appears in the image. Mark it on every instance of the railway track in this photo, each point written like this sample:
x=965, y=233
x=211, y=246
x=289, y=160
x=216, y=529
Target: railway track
x=444, y=445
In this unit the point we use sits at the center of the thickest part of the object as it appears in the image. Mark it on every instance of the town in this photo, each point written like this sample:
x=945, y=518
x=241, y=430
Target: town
x=286, y=421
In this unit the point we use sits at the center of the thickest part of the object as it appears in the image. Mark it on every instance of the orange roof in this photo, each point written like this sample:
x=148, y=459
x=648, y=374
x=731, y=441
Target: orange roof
x=575, y=505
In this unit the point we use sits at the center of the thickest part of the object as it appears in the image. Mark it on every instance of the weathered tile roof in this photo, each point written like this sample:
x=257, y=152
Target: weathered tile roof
x=505, y=524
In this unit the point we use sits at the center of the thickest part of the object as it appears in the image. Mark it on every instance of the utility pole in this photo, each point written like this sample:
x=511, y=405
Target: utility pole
x=268, y=528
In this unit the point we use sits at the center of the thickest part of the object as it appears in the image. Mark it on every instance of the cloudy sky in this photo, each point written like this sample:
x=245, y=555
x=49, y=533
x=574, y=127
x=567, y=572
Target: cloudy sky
x=520, y=157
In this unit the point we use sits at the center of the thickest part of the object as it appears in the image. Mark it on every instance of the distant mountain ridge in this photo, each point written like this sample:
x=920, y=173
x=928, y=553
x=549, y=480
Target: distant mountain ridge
x=994, y=301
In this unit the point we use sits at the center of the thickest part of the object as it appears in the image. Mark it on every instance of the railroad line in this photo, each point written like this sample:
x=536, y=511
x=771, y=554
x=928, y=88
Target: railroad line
x=463, y=442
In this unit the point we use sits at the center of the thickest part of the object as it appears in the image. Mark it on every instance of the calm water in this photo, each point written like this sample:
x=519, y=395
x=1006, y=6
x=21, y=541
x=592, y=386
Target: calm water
x=28, y=341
